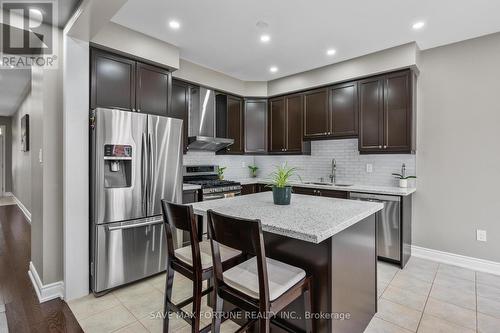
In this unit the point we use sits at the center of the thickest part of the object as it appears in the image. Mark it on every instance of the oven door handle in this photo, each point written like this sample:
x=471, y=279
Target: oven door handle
x=213, y=196
x=136, y=225
x=220, y=195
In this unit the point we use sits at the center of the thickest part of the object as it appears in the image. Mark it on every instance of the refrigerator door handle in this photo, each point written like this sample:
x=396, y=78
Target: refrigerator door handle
x=151, y=177
x=137, y=225
x=144, y=163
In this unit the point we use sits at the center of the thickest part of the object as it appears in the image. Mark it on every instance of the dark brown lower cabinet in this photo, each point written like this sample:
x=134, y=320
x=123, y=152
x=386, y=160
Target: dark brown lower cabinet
x=320, y=192
x=249, y=189
x=263, y=188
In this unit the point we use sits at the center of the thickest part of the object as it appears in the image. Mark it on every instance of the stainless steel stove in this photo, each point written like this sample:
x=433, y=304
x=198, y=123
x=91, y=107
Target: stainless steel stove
x=212, y=187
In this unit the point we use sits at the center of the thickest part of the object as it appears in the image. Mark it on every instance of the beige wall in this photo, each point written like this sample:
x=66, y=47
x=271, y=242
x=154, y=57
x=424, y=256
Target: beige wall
x=204, y=76
x=38, y=183
x=122, y=39
x=384, y=61
x=458, y=157
x=21, y=161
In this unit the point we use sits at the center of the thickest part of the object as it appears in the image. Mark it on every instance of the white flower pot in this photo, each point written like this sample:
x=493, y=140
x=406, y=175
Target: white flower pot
x=403, y=183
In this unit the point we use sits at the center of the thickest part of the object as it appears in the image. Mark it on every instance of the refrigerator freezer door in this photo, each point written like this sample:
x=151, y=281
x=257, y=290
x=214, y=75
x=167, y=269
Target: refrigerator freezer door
x=128, y=251
x=165, y=162
x=121, y=129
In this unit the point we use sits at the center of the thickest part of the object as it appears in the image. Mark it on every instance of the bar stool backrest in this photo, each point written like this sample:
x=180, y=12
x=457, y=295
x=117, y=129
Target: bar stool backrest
x=240, y=234
x=181, y=217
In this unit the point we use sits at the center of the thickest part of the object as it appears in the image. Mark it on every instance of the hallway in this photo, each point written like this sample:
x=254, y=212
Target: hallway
x=19, y=306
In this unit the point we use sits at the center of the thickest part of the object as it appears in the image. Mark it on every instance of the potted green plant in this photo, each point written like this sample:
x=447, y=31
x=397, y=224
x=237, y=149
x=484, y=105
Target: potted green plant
x=282, y=191
x=253, y=170
x=403, y=180
x=220, y=172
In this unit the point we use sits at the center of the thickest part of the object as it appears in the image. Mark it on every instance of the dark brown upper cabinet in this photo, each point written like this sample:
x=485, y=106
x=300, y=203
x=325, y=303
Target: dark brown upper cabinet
x=118, y=82
x=277, y=125
x=255, y=126
x=386, y=111
x=153, y=89
x=316, y=114
x=112, y=81
x=331, y=112
x=180, y=106
x=285, y=125
x=344, y=110
x=230, y=122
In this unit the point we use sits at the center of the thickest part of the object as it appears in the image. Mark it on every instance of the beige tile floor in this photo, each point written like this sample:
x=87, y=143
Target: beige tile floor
x=424, y=297
x=429, y=297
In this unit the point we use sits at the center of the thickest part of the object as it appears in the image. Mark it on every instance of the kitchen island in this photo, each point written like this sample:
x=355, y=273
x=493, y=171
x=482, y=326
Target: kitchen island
x=334, y=240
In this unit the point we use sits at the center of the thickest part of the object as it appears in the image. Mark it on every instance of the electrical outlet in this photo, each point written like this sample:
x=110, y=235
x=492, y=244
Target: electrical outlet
x=481, y=235
x=369, y=168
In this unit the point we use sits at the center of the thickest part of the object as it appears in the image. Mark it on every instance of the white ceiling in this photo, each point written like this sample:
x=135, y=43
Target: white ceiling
x=222, y=34
x=14, y=83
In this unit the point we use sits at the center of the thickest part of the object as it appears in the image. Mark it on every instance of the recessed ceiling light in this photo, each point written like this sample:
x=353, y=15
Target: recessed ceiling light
x=273, y=69
x=418, y=25
x=174, y=24
x=265, y=38
x=331, y=52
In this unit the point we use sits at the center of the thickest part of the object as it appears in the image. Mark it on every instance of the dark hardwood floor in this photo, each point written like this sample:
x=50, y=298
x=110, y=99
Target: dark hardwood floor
x=24, y=312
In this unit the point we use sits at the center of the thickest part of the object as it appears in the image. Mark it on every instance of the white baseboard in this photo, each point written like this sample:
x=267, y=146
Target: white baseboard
x=475, y=264
x=25, y=211
x=45, y=292
x=8, y=194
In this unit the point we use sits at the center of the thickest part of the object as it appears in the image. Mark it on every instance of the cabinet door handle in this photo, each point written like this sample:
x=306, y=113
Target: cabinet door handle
x=133, y=109
x=385, y=147
x=380, y=147
x=138, y=110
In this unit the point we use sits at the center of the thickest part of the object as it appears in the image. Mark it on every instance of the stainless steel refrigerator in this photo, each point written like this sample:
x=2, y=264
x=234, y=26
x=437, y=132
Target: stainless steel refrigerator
x=136, y=160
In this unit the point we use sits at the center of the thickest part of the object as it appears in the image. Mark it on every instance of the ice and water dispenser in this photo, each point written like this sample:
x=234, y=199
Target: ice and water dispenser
x=117, y=166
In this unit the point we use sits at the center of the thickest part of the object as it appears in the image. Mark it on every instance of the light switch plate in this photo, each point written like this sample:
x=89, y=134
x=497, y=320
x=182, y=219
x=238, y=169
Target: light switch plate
x=369, y=168
x=481, y=235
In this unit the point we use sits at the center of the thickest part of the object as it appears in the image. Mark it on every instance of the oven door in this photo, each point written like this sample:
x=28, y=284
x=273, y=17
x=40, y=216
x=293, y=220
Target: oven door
x=128, y=251
x=220, y=195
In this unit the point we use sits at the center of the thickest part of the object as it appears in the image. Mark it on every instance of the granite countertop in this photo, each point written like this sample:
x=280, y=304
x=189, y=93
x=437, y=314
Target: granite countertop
x=190, y=187
x=390, y=190
x=308, y=218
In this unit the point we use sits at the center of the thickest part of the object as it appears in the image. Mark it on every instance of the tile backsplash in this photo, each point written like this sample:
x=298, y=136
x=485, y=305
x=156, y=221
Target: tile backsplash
x=237, y=165
x=351, y=165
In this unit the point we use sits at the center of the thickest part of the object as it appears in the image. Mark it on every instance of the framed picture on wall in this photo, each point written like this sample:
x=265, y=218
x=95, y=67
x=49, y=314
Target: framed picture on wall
x=25, y=133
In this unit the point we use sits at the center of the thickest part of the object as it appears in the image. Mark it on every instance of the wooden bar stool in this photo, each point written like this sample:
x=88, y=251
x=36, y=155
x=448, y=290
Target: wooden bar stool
x=194, y=262
x=259, y=285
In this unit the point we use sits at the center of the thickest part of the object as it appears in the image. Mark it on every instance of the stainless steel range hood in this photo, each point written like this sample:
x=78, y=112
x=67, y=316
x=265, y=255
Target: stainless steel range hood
x=202, y=121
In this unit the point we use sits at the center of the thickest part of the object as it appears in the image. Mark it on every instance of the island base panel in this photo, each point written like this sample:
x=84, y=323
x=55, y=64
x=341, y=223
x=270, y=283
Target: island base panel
x=344, y=276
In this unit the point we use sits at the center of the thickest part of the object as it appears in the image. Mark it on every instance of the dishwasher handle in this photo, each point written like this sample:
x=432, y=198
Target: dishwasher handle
x=374, y=197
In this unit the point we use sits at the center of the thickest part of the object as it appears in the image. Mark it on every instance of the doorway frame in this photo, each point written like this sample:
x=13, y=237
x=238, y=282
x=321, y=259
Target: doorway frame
x=3, y=129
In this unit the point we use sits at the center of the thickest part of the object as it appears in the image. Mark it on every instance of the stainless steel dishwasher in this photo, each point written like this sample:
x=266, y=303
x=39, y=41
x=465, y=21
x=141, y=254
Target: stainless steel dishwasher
x=388, y=224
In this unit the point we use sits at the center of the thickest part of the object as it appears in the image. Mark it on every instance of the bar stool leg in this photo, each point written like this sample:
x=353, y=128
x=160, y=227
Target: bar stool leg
x=197, y=290
x=264, y=323
x=307, y=306
x=168, y=296
x=217, y=312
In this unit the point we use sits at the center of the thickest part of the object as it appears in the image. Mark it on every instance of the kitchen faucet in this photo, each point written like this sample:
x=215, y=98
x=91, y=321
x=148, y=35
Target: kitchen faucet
x=334, y=171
